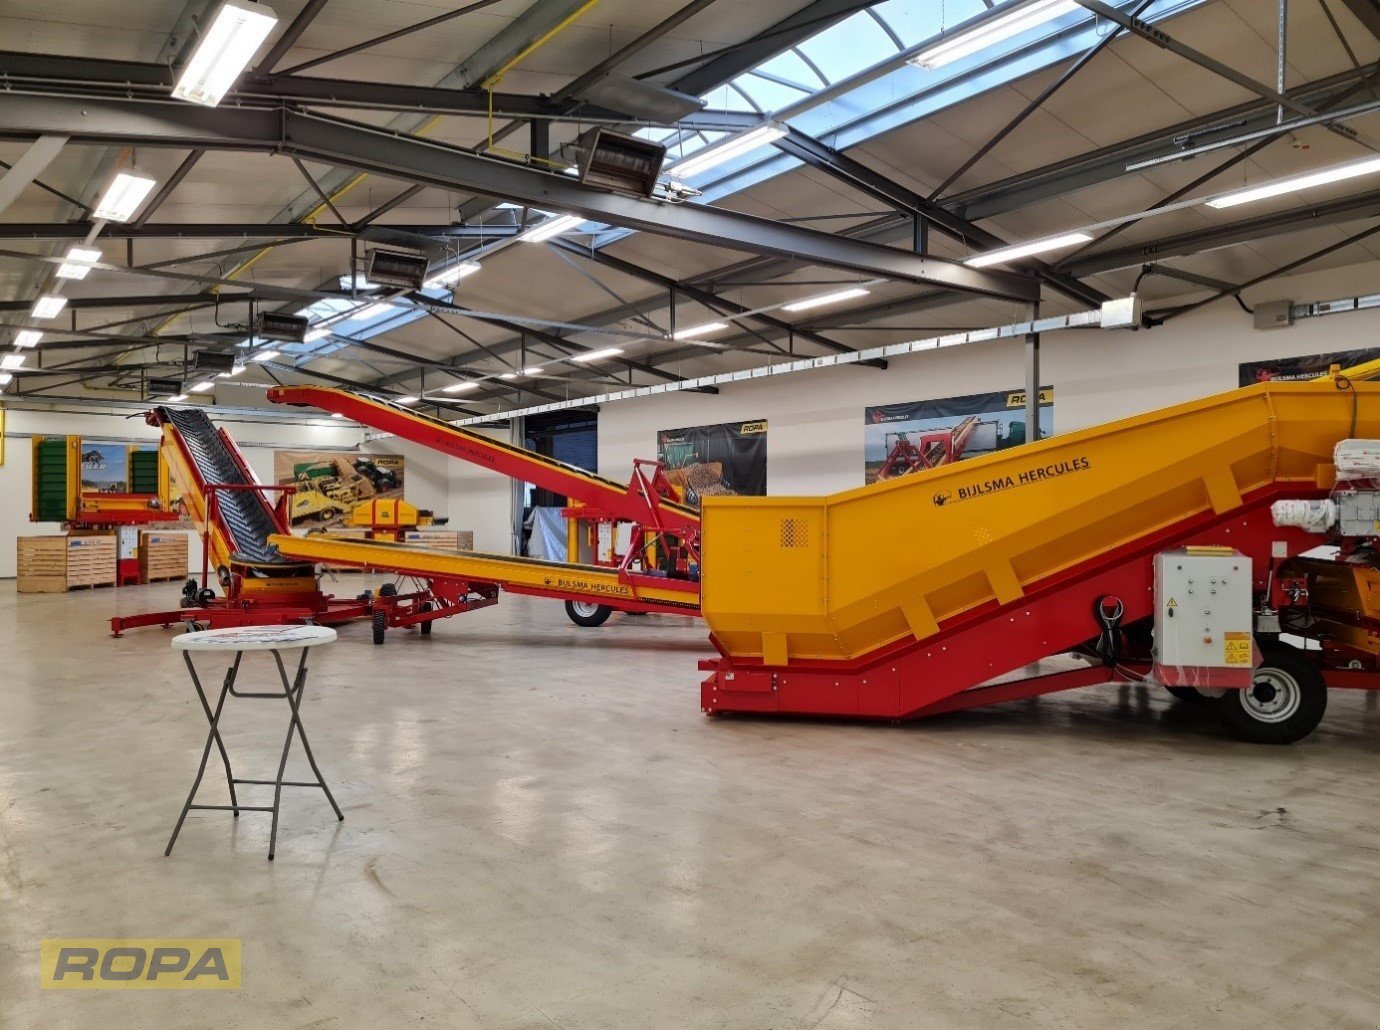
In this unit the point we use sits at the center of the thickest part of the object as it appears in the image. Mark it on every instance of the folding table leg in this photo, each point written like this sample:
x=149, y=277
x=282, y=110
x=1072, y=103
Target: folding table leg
x=213, y=717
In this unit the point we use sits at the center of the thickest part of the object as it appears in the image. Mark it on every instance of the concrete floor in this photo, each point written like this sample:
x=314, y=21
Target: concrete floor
x=542, y=831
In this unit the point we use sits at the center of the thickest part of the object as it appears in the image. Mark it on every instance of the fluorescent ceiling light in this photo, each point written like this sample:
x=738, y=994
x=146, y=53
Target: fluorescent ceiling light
x=1337, y=173
x=13, y=361
x=998, y=257
x=203, y=386
x=459, y=387
x=452, y=275
x=993, y=31
x=700, y=330
x=508, y=375
x=550, y=228
x=316, y=334
x=720, y=153
x=837, y=297
x=78, y=262
x=5, y=378
x=177, y=398
x=124, y=195
x=597, y=355
x=533, y=370
x=49, y=306
x=372, y=311
x=236, y=33
x=406, y=400
x=265, y=355
x=28, y=338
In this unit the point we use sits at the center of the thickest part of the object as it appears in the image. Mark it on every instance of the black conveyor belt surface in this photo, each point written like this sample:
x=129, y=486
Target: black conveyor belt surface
x=245, y=514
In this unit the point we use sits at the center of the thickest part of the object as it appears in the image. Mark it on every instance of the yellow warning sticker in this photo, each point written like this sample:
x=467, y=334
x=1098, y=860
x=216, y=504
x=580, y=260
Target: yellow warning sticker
x=1237, y=648
x=1173, y=603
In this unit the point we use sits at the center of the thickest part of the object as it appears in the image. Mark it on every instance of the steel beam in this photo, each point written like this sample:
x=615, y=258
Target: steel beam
x=1367, y=12
x=240, y=230
x=29, y=166
x=875, y=184
x=368, y=149
x=1349, y=209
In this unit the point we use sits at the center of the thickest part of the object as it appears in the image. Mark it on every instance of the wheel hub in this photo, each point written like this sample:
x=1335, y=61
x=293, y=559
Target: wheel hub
x=1273, y=697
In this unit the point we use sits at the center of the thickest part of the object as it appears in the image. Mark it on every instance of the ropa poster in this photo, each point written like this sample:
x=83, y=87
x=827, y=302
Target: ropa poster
x=899, y=439
x=716, y=461
x=1308, y=366
x=331, y=483
x=104, y=467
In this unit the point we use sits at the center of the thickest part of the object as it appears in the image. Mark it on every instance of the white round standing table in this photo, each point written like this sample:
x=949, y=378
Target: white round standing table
x=237, y=640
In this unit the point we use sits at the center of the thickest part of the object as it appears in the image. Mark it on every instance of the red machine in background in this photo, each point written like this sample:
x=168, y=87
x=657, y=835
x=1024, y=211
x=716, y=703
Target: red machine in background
x=941, y=447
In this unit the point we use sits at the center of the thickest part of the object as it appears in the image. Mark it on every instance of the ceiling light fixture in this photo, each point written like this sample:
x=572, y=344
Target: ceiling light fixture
x=1020, y=250
x=597, y=355
x=203, y=386
x=28, y=338
x=721, y=153
x=508, y=375
x=5, y=378
x=533, y=370
x=991, y=31
x=49, y=306
x=78, y=262
x=13, y=360
x=459, y=387
x=838, y=297
x=406, y=400
x=452, y=275
x=700, y=330
x=224, y=51
x=551, y=228
x=124, y=195
x=1337, y=173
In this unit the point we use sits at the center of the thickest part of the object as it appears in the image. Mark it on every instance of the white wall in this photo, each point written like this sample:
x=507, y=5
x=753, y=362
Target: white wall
x=815, y=432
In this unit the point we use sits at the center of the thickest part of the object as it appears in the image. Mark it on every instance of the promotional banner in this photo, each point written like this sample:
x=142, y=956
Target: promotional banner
x=899, y=439
x=1308, y=366
x=104, y=467
x=710, y=461
x=330, y=483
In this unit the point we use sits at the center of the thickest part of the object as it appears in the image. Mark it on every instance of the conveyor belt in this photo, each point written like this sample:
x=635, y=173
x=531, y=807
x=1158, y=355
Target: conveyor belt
x=247, y=519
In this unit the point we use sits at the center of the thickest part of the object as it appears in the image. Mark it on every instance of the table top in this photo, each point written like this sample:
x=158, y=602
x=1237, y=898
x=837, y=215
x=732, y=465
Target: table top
x=254, y=638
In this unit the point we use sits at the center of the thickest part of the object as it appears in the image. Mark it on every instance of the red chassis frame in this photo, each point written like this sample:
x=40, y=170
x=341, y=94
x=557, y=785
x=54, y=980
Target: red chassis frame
x=910, y=679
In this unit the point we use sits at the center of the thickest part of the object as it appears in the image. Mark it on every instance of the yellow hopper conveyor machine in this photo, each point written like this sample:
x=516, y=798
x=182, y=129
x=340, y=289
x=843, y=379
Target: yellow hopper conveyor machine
x=1224, y=548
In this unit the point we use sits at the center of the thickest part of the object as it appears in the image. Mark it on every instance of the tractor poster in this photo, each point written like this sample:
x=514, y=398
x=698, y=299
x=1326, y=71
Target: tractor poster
x=716, y=461
x=331, y=483
x=899, y=439
x=1308, y=366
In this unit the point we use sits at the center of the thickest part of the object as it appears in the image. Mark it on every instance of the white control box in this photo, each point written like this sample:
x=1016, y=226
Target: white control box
x=1204, y=618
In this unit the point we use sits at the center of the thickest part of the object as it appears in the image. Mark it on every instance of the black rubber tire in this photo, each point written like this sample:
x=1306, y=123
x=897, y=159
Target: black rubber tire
x=589, y=616
x=1189, y=694
x=388, y=590
x=1283, y=705
x=380, y=627
x=425, y=627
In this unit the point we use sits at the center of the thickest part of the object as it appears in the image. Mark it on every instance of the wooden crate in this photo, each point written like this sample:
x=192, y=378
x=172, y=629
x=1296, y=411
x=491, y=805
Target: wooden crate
x=441, y=539
x=163, y=555
x=54, y=564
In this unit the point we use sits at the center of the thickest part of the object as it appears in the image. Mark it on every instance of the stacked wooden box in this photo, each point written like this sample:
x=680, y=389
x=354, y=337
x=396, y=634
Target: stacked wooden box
x=54, y=564
x=441, y=539
x=162, y=556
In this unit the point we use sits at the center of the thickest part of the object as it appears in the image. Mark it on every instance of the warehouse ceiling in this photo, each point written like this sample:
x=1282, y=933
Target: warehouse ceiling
x=446, y=129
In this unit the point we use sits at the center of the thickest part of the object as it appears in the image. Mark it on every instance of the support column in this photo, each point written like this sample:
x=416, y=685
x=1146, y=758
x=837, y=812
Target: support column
x=1032, y=379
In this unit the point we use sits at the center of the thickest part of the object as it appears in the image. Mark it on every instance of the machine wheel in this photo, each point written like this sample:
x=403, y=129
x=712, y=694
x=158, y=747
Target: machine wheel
x=587, y=613
x=388, y=590
x=425, y=627
x=1284, y=703
x=380, y=626
x=205, y=598
x=326, y=515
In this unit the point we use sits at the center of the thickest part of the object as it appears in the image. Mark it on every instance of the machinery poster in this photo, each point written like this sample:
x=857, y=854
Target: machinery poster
x=104, y=467
x=714, y=461
x=1308, y=366
x=331, y=483
x=902, y=438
